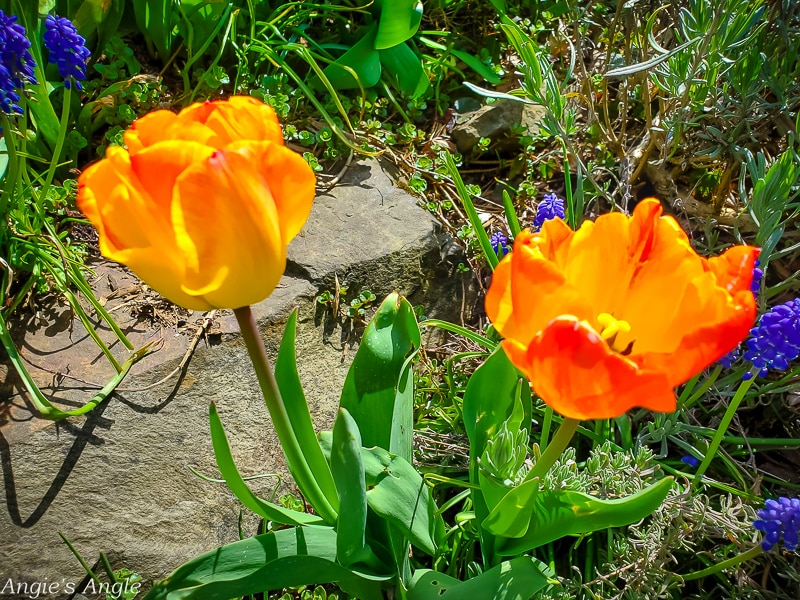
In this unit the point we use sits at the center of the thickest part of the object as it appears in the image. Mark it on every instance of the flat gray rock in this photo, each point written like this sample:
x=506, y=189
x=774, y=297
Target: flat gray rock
x=119, y=479
x=495, y=121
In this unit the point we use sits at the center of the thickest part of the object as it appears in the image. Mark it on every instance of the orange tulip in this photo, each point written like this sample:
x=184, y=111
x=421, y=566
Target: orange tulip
x=615, y=315
x=202, y=204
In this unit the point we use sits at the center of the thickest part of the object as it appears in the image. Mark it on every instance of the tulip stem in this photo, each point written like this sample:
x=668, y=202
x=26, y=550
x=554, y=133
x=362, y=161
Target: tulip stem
x=723, y=428
x=548, y=422
x=554, y=449
x=731, y=562
x=298, y=466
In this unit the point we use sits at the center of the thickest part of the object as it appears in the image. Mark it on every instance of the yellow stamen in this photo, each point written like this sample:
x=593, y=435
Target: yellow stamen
x=610, y=327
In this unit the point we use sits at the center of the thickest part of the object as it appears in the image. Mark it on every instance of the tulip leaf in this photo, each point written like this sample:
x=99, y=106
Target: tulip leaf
x=294, y=400
x=528, y=517
x=489, y=401
x=399, y=21
x=155, y=20
x=230, y=473
x=271, y=561
x=364, y=61
x=405, y=70
x=397, y=493
x=348, y=473
x=516, y=579
x=100, y=17
x=472, y=62
x=491, y=396
x=379, y=389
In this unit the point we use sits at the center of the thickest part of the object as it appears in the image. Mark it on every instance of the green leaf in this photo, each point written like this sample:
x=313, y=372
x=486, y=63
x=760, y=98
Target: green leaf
x=404, y=68
x=528, y=518
x=489, y=401
x=490, y=398
x=499, y=95
x=3, y=157
x=397, y=493
x=378, y=390
x=230, y=473
x=99, y=17
x=469, y=207
x=348, y=472
x=476, y=65
x=271, y=561
x=362, y=58
x=155, y=20
x=399, y=21
x=516, y=579
x=294, y=400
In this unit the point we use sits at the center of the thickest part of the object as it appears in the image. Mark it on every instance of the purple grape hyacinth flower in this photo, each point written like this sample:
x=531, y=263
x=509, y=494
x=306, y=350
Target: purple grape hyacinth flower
x=731, y=357
x=690, y=460
x=550, y=207
x=758, y=275
x=779, y=517
x=16, y=63
x=499, y=241
x=67, y=49
x=775, y=341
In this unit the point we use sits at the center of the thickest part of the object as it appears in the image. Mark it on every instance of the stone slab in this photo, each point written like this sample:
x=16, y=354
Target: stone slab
x=118, y=480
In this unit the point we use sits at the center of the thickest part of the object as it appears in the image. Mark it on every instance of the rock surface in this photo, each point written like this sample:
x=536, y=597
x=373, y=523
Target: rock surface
x=118, y=480
x=494, y=121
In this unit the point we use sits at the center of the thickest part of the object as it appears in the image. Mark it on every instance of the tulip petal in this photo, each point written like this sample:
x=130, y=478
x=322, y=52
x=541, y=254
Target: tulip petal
x=573, y=370
x=291, y=182
x=157, y=167
x=108, y=195
x=734, y=268
x=238, y=118
x=132, y=230
x=520, y=306
x=498, y=304
x=227, y=224
x=717, y=323
x=557, y=295
x=149, y=129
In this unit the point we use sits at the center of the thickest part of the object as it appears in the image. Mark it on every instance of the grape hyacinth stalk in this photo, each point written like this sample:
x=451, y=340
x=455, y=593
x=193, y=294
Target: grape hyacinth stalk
x=549, y=208
x=67, y=49
x=779, y=518
x=16, y=63
x=773, y=344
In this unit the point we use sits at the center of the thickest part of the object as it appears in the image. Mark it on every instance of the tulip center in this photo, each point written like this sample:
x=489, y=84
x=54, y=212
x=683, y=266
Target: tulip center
x=610, y=328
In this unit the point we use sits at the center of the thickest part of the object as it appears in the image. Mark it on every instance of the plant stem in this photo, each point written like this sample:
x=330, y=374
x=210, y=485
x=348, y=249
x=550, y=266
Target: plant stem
x=731, y=562
x=548, y=421
x=723, y=428
x=554, y=449
x=280, y=418
x=62, y=134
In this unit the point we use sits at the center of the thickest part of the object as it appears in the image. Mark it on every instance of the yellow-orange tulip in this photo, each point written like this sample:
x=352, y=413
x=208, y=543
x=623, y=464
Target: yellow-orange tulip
x=202, y=204
x=616, y=314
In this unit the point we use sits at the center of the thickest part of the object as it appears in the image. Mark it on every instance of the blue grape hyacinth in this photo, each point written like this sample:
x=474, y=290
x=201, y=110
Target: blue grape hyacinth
x=499, y=244
x=775, y=341
x=550, y=207
x=67, y=49
x=778, y=518
x=16, y=63
x=758, y=275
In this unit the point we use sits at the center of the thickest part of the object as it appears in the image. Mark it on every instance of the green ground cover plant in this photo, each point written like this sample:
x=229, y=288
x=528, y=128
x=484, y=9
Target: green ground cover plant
x=694, y=104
